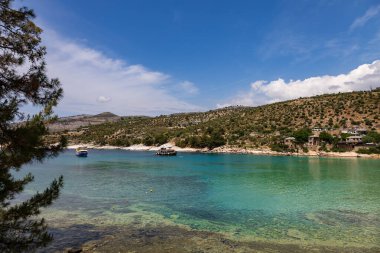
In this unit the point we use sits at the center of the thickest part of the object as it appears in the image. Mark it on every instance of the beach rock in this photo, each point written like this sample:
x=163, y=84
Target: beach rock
x=74, y=250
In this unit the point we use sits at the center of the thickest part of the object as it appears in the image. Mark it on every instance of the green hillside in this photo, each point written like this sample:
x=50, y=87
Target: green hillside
x=241, y=126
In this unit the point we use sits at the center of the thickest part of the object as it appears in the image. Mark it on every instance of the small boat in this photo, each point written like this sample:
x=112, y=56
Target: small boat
x=166, y=152
x=81, y=152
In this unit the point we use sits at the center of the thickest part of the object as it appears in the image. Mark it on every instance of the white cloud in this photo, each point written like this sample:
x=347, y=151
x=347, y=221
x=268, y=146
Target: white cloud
x=90, y=79
x=189, y=87
x=361, y=21
x=103, y=99
x=364, y=77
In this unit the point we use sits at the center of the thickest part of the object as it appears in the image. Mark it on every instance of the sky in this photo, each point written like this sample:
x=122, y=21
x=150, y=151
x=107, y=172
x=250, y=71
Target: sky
x=149, y=57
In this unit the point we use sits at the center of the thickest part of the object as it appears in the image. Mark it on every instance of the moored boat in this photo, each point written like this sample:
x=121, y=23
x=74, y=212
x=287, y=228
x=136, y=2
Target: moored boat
x=81, y=152
x=166, y=152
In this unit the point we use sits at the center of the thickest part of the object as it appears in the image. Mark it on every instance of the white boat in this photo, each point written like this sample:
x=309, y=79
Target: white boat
x=166, y=152
x=81, y=152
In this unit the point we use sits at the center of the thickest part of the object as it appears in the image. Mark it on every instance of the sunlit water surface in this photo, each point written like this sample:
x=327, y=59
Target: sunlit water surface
x=307, y=199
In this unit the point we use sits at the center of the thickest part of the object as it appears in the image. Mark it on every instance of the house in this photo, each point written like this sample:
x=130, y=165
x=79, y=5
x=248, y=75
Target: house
x=361, y=131
x=290, y=142
x=319, y=129
x=354, y=140
x=313, y=140
x=355, y=131
x=342, y=145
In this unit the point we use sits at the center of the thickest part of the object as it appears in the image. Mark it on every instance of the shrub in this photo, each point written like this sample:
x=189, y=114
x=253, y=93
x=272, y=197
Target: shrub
x=325, y=136
x=372, y=137
x=302, y=135
x=148, y=141
x=371, y=150
x=161, y=139
x=336, y=149
x=279, y=147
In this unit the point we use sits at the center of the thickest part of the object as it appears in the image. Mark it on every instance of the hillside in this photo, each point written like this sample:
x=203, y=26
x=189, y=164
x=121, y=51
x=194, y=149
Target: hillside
x=249, y=127
x=75, y=122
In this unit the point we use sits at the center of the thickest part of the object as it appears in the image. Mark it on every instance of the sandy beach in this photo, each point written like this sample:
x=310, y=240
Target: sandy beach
x=227, y=150
x=139, y=147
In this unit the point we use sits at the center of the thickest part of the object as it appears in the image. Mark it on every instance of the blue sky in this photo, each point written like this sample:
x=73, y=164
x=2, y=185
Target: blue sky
x=158, y=57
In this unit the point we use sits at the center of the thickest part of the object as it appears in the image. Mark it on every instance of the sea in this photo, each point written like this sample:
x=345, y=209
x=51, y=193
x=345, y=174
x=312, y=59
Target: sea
x=314, y=203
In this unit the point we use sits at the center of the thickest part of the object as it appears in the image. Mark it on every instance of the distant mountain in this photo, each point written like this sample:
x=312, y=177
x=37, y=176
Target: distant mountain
x=235, y=126
x=74, y=122
x=106, y=115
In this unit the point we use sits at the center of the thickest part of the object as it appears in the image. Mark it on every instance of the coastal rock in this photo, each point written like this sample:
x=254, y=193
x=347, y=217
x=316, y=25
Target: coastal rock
x=74, y=250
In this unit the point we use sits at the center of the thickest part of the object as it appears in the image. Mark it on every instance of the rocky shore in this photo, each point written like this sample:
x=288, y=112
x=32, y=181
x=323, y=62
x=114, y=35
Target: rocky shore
x=176, y=239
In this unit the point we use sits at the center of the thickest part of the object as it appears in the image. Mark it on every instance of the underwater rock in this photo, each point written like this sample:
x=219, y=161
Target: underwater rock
x=296, y=234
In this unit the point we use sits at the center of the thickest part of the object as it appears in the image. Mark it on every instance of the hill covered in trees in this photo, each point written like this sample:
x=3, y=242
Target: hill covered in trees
x=246, y=127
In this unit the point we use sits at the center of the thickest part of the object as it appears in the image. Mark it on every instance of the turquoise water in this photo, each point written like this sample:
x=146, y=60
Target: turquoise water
x=296, y=199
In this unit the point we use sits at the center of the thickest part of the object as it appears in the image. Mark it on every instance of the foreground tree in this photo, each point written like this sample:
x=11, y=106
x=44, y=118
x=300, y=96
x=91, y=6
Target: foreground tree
x=23, y=81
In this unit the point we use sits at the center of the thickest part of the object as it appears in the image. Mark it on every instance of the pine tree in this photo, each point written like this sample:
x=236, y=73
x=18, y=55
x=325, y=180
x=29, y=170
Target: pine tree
x=23, y=80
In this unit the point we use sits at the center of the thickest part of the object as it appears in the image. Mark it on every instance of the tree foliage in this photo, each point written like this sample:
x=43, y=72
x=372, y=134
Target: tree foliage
x=242, y=126
x=302, y=135
x=372, y=136
x=23, y=80
x=325, y=136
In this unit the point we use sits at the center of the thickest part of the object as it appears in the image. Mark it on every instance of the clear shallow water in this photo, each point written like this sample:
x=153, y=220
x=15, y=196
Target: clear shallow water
x=296, y=199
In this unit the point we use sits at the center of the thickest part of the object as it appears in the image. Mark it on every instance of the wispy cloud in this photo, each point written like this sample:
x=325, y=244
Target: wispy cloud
x=189, y=87
x=94, y=82
x=364, y=77
x=286, y=43
x=361, y=21
x=297, y=45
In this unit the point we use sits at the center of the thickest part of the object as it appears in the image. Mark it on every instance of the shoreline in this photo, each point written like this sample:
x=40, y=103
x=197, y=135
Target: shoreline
x=141, y=230
x=228, y=150
x=175, y=238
